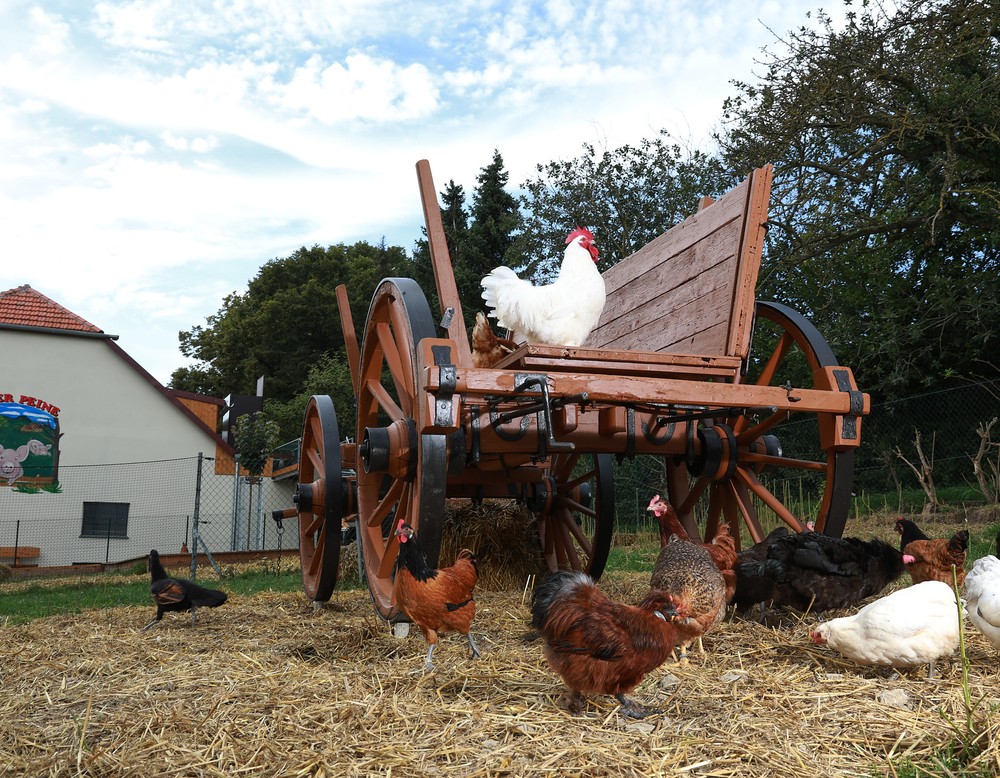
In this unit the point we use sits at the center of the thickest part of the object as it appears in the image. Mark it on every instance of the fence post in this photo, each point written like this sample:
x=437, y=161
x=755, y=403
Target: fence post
x=196, y=538
x=234, y=545
x=17, y=538
x=107, y=543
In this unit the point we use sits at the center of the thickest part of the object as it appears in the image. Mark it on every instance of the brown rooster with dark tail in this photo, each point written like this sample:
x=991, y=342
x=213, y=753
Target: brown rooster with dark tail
x=435, y=600
x=598, y=645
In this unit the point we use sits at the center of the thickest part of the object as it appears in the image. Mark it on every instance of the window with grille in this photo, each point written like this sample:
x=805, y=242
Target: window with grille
x=105, y=520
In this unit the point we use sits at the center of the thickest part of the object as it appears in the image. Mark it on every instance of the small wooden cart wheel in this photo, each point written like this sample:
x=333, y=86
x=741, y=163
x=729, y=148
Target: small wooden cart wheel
x=401, y=473
x=319, y=498
x=735, y=450
x=575, y=506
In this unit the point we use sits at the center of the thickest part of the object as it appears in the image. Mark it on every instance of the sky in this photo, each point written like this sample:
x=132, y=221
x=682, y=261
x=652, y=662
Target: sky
x=154, y=154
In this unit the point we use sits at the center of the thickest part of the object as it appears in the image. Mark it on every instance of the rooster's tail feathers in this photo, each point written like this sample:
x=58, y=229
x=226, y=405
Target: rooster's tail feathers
x=491, y=283
x=552, y=589
x=207, y=598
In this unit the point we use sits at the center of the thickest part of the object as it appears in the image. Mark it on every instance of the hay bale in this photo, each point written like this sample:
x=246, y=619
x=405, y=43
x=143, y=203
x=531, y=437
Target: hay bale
x=501, y=533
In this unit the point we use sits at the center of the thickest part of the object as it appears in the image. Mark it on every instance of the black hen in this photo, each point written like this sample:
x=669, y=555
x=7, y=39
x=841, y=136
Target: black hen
x=754, y=587
x=908, y=531
x=809, y=570
x=178, y=594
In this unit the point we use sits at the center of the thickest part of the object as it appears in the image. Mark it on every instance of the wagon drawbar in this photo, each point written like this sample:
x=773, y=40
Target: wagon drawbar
x=684, y=364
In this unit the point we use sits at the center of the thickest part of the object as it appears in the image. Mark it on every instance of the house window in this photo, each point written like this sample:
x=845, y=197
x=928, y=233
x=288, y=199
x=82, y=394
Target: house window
x=105, y=520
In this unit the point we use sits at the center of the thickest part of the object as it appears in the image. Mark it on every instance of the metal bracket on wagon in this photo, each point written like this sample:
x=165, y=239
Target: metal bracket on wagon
x=441, y=407
x=847, y=429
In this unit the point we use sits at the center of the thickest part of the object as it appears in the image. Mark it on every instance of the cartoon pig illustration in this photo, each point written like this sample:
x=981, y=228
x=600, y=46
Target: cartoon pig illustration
x=11, y=459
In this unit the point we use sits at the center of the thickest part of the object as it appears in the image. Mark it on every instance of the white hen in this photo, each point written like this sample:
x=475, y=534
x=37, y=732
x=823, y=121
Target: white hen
x=561, y=313
x=910, y=627
x=982, y=597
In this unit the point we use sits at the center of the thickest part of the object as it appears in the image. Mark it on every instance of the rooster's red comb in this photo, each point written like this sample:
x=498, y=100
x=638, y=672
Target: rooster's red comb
x=578, y=232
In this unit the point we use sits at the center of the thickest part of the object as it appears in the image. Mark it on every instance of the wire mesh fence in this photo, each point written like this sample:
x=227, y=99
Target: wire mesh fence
x=116, y=513
x=950, y=423
x=108, y=514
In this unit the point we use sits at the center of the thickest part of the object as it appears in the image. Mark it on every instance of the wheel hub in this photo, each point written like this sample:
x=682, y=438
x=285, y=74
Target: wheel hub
x=390, y=449
x=717, y=455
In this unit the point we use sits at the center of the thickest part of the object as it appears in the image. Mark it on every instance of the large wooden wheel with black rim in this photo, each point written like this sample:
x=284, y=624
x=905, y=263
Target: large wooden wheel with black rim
x=401, y=474
x=319, y=499
x=766, y=456
x=575, y=509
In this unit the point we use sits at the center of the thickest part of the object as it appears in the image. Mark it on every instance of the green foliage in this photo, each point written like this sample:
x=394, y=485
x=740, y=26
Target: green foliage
x=625, y=196
x=495, y=219
x=255, y=436
x=477, y=246
x=455, y=221
x=330, y=374
x=885, y=211
x=287, y=318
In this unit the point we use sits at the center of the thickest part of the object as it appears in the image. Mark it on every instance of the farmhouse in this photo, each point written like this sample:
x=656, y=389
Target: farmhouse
x=99, y=462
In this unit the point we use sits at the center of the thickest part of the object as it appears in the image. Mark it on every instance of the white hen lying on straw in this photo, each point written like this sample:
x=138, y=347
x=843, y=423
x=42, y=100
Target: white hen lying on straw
x=908, y=628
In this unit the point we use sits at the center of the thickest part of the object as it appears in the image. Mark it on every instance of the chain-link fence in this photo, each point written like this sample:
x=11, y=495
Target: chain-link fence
x=947, y=421
x=114, y=513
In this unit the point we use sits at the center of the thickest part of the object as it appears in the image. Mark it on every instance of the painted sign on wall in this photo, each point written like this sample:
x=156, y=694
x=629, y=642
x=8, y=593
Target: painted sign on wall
x=29, y=444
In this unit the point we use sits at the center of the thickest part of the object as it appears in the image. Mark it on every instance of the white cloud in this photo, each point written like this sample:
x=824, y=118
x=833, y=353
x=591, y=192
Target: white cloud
x=50, y=32
x=154, y=153
x=362, y=87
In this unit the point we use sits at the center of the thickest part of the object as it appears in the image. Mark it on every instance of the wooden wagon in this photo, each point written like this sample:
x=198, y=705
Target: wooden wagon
x=674, y=369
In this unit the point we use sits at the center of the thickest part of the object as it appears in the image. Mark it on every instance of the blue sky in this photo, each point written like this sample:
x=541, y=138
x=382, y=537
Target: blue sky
x=155, y=153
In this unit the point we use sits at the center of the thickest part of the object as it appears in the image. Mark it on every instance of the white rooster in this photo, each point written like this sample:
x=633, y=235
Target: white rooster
x=982, y=597
x=910, y=627
x=561, y=313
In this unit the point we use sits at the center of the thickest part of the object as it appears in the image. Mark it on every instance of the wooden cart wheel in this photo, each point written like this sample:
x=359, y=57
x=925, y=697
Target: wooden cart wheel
x=319, y=499
x=735, y=451
x=575, y=506
x=401, y=474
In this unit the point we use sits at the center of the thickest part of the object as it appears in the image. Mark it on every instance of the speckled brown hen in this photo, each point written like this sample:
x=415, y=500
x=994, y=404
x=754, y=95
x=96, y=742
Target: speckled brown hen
x=722, y=547
x=686, y=571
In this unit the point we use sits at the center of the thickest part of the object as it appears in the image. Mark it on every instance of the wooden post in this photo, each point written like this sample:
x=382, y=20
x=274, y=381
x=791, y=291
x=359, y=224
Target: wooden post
x=444, y=274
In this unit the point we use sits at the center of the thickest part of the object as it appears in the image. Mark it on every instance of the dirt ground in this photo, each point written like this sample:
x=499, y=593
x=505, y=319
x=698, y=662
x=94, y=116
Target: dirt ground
x=268, y=686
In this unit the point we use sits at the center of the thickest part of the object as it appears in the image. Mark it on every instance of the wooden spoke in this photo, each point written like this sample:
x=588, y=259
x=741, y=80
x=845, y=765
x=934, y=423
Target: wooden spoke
x=384, y=401
x=575, y=531
x=732, y=466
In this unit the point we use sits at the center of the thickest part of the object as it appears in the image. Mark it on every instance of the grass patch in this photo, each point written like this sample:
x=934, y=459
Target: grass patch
x=21, y=603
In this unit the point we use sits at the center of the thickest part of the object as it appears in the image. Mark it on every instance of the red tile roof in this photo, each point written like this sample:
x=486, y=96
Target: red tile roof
x=22, y=306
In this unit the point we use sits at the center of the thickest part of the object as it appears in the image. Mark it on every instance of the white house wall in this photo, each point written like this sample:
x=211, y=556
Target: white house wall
x=108, y=414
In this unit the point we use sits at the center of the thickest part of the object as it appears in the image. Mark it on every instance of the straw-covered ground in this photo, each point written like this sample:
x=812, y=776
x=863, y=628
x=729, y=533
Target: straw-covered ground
x=266, y=686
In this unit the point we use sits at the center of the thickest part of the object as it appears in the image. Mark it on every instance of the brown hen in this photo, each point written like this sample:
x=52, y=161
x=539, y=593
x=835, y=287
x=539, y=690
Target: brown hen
x=932, y=559
x=686, y=572
x=435, y=600
x=487, y=347
x=722, y=547
x=597, y=645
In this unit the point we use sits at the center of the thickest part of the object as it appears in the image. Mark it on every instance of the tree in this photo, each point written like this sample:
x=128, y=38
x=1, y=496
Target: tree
x=885, y=210
x=475, y=247
x=455, y=221
x=329, y=374
x=285, y=322
x=255, y=436
x=495, y=219
x=627, y=196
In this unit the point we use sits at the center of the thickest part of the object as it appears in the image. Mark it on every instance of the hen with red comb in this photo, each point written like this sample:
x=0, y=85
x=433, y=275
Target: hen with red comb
x=559, y=314
x=436, y=600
